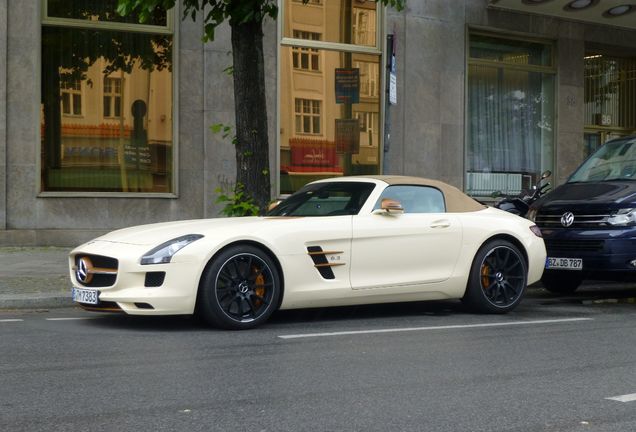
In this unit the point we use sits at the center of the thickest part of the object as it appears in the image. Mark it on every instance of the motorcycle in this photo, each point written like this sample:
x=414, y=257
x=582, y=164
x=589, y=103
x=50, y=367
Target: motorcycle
x=520, y=204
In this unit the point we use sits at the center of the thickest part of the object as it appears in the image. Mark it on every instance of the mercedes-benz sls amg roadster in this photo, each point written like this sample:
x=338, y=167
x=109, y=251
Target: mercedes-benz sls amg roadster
x=335, y=242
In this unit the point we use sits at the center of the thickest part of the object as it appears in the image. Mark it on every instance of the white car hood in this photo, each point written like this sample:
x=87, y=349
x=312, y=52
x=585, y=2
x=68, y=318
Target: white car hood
x=155, y=234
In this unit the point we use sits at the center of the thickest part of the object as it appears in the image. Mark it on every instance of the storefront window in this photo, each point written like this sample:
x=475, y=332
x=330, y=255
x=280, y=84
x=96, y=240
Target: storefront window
x=106, y=108
x=329, y=94
x=510, y=115
x=610, y=93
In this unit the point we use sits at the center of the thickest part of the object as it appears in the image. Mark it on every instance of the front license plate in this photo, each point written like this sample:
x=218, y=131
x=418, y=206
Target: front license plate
x=85, y=296
x=564, y=263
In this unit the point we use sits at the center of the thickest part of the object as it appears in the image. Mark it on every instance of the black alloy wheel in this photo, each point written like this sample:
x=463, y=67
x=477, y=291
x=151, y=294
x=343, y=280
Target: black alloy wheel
x=240, y=289
x=498, y=278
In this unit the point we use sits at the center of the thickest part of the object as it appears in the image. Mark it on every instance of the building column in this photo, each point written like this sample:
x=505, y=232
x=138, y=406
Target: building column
x=3, y=114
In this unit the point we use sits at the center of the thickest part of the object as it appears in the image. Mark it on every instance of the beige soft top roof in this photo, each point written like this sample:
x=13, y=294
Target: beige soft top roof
x=456, y=200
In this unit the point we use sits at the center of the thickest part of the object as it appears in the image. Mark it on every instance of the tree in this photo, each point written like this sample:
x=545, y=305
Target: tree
x=245, y=18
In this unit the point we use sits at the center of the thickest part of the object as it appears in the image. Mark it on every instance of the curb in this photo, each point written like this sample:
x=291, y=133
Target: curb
x=40, y=301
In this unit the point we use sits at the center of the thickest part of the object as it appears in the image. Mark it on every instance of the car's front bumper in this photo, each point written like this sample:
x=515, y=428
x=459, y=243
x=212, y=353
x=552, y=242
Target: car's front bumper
x=605, y=253
x=172, y=291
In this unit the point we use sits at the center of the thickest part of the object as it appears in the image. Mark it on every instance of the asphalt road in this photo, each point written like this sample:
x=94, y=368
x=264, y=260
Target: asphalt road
x=549, y=366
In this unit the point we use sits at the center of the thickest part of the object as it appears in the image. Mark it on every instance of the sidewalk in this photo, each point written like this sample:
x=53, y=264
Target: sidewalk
x=37, y=278
x=34, y=277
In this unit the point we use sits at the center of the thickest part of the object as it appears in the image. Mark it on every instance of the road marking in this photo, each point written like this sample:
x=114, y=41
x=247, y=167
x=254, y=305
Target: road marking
x=449, y=327
x=11, y=320
x=624, y=398
x=68, y=319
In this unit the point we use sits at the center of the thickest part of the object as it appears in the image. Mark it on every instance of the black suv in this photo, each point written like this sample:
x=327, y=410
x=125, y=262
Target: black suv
x=589, y=223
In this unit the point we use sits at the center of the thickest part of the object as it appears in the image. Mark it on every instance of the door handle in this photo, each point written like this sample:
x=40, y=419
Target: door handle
x=444, y=223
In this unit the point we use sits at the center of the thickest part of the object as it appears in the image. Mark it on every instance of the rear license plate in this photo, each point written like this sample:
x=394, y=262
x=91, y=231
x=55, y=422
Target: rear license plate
x=85, y=296
x=564, y=263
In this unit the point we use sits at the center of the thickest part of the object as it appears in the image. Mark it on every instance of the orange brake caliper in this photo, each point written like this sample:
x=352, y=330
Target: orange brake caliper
x=259, y=282
x=485, y=282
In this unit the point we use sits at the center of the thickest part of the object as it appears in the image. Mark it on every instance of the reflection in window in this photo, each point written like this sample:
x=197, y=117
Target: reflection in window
x=307, y=116
x=511, y=51
x=322, y=138
x=106, y=111
x=112, y=97
x=329, y=97
x=368, y=122
x=96, y=11
x=369, y=73
x=510, y=116
x=71, y=93
x=338, y=21
x=363, y=26
x=306, y=58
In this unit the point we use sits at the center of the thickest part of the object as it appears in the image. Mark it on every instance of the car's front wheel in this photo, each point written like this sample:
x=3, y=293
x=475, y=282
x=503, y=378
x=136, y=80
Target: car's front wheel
x=239, y=289
x=497, y=280
x=560, y=282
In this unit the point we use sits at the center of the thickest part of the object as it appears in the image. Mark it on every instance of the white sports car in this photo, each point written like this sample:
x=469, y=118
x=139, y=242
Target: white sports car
x=341, y=241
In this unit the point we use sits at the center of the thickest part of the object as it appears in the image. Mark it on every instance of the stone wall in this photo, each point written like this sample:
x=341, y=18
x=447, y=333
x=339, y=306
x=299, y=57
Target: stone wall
x=3, y=114
x=427, y=124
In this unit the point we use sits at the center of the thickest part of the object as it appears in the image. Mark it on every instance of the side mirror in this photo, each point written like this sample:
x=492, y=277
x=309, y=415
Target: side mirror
x=546, y=174
x=390, y=205
x=273, y=205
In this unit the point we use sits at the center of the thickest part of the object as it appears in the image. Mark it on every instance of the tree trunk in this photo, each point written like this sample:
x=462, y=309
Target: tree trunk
x=252, y=146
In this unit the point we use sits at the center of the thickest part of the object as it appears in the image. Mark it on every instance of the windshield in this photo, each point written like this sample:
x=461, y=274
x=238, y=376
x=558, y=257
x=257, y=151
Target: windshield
x=325, y=199
x=615, y=160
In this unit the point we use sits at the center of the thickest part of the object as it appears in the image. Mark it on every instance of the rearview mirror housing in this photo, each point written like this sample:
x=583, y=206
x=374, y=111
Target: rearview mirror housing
x=391, y=206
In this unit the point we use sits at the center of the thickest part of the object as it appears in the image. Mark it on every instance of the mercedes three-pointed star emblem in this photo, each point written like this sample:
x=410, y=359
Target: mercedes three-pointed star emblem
x=83, y=272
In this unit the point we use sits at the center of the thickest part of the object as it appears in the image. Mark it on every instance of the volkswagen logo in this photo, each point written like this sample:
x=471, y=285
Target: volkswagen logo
x=83, y=271
x=567, y=219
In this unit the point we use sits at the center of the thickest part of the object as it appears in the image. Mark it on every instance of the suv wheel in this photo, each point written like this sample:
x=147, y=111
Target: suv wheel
x=560, y=282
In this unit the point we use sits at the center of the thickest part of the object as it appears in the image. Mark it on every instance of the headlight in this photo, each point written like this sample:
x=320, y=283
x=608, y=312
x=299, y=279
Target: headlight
x=164, y=252
x=536, y=231
x=623, y=217
x=532, y=214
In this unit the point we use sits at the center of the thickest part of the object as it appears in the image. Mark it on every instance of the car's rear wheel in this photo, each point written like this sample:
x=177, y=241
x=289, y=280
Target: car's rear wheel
x=560, y=282
x=497, y=280
x=240, y=288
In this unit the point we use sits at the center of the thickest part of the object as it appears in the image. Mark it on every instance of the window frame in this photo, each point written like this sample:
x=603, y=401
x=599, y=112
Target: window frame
x=112, y=95
x=311, y=115
x=72, y=92
x=172, y=29
x=310, y=53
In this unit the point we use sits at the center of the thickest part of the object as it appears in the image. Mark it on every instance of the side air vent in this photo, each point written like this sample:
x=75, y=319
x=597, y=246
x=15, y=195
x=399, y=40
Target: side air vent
x=322, y=264
x=154, y=279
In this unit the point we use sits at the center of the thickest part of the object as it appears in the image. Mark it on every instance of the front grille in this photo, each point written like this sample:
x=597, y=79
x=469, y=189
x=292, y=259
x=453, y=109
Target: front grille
x=574, y=245
x=551, y=219
x=101, y=270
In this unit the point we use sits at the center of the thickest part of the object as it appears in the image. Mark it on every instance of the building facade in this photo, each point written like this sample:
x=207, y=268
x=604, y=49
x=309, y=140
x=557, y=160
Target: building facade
x=107, y=123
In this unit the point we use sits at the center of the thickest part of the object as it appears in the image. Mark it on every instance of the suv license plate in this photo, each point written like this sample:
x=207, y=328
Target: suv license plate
x=85, y=296
x=564, y=263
